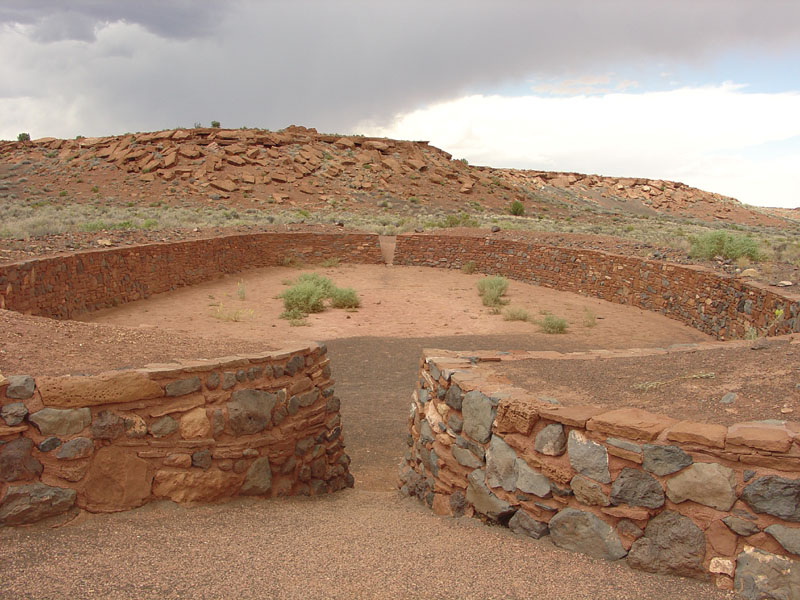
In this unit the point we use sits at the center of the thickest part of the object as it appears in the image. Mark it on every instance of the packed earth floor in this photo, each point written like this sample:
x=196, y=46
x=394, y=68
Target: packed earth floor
x=361, y=543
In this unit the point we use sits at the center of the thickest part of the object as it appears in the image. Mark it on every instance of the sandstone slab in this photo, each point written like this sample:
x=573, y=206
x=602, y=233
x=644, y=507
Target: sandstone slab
x=195, y=486
x=117, y=480
x=105, y=388
x=195, y=424
x=706, y=434
x=631, y=423
x=761, y=437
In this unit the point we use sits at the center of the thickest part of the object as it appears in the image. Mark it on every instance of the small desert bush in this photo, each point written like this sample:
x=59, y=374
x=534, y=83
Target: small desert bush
x=236, y=315
x=305, y=297
x=517, y=208
x=492, y=289
x=552, y=324
x=516, y=314
x=468, y=267
x=329, y=263
x=725, y=244
x=345, y=298
x=24, y=137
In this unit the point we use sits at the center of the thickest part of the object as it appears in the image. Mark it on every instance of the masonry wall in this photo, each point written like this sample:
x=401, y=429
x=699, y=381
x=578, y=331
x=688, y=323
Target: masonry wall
x=668, y=496
x=719, y=305
x=264, y=425
x=65, y=286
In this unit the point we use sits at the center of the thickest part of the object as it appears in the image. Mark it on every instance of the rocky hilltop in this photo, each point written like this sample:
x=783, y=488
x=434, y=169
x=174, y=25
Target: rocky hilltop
x=302, y=168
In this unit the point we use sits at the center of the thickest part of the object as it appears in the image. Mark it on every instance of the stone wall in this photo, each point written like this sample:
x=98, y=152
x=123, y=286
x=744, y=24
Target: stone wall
x=669, y=496
x=65, y=286
x=200, y=431
x=719, y=305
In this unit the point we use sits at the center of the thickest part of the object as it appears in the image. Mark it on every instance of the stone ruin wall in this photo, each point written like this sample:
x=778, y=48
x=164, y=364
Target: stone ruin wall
x=669, y=496
x=719, y=305
x=65, y=286
x=262, y=425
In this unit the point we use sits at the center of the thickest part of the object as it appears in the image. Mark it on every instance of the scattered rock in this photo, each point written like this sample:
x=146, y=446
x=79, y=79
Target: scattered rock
x=581, y=531
x=672, y=545
x=636, y=488
x=587, y=457
x=62, y=422
x=728, y=398
x=33, y=502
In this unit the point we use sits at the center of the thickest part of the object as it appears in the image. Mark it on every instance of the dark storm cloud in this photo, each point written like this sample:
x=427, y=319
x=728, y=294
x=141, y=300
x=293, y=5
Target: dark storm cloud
x=332, y=64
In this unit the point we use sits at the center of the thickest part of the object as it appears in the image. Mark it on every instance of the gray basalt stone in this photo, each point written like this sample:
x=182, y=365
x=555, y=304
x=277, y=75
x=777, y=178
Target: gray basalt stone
x=107, y=426
x=663, y=460
x=478, y=413
x=201, y=459
x=500, y=459
x=258, y=480
x=741, y=526
x=250, y=411
x=163, y=427
x=212, y=380
x=294, y=365
x=16, y=462
x=581, y=531
x=636, y=488
x=530, y=481
x=774, y=495
x=58, y=421
x=454, y=397
x=183, y=386
x=587, y=457
x=483, y=500
x=48, y=444
x=425, y=432
x=588, y=492
x=551, y=440
x=13, y=414
x=455, y=422
x=523, y=524
x=672, y=545
x=466, y=458
x=20, y=387
x=788, y=537
x=33, y=502
x=762, y=575
x=74, y=449
x=710, y=484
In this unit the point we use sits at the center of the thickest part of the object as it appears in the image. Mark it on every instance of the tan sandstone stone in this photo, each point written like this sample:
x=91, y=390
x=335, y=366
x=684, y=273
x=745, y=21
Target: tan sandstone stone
x=195, y=424
x=631, y=423
x=762, y=437
x=105, y=388
x=706, y=434
x=196, y=485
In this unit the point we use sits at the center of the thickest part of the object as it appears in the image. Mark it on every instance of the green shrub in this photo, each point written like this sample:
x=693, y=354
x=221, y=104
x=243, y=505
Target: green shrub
x=468, y=267
x=516, y=314
x=722, y=243
x=305, y=297
x=553, y=324
x=24, y=137
x=320, y=281
x=215, y=124
x=517, y=208
x=345, y=298
x=492, y=289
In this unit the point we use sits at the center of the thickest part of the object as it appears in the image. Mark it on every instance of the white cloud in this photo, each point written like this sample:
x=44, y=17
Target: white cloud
x=701, y=136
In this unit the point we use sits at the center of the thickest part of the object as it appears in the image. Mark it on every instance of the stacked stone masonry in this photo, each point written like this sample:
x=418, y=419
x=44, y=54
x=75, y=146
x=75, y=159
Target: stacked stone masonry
x=262, y=425
x=668, y=496
x=65, y=286
x=719, y=305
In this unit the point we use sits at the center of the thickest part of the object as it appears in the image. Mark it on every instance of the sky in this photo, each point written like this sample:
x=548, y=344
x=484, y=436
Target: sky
x=706, y=92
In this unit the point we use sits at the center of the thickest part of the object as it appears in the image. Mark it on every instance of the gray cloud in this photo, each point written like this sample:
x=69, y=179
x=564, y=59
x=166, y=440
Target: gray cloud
x=333, y=64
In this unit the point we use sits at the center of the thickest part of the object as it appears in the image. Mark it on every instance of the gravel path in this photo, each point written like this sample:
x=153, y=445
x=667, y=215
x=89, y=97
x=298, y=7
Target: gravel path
x=360, y=543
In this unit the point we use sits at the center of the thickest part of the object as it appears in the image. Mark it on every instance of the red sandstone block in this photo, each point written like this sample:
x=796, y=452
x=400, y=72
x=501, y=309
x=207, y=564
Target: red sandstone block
x=761, y=437
x=631, y=423
x=575, y=416
x=706, y=434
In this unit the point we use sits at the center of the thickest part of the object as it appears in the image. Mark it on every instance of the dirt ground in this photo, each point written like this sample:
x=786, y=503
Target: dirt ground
x=697, y=385
x=395, y=302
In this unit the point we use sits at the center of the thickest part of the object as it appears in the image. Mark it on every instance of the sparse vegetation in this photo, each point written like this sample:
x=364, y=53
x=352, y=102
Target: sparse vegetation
x=24, y=137
x=329, y=263
x=724, y=244
x=552, y=324
x=492, y=289
x=517, y=208
x=240, y=289
x=589, y=318
x=469, y=267
x=513, y=313
x=309, y=293
x=235, y=315
x=215, y=124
